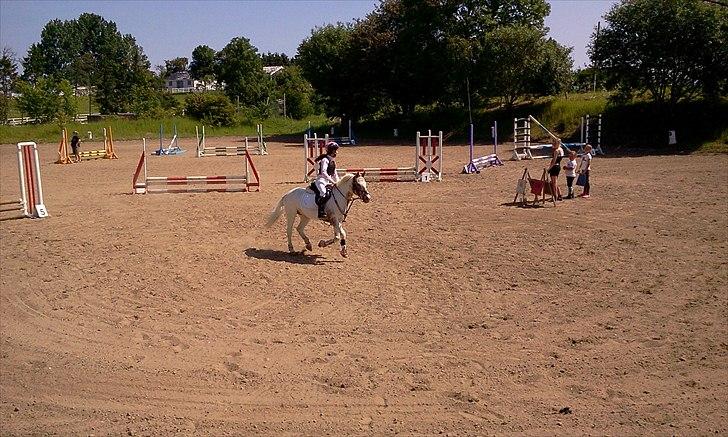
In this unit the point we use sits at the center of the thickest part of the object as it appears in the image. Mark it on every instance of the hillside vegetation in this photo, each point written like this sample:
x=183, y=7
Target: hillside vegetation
x=635, y=127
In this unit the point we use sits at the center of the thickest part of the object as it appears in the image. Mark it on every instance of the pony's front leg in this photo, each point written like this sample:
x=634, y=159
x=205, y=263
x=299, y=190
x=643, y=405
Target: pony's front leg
x=300, y=228
x=341, y=233
x=324, y=243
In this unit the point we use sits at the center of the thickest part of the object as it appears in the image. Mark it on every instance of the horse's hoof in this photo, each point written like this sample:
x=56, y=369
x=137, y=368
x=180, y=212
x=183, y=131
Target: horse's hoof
x=322, y=243
x=343, y=252
x=309, y=247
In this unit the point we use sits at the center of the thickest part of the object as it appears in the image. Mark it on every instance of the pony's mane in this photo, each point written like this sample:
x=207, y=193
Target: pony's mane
x=346, y=178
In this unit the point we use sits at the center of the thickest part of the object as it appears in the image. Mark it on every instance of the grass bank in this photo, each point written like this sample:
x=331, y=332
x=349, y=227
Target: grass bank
x=130, y=129
x=638, y=127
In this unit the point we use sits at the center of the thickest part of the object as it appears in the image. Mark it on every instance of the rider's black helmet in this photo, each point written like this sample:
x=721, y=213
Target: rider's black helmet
x=331, y=147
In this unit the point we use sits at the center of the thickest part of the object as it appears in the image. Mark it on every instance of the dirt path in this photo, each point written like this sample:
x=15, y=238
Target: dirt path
x=455, y=313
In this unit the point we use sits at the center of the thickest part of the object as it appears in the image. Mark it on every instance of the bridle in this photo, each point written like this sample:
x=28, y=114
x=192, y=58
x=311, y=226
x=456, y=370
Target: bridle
x=357, y=189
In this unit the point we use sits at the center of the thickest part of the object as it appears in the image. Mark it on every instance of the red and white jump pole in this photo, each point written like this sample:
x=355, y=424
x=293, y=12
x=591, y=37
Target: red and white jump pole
x=31, y=202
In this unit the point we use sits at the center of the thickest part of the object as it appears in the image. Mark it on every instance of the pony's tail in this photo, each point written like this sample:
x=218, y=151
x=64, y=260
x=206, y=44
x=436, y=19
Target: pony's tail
x=273, y=216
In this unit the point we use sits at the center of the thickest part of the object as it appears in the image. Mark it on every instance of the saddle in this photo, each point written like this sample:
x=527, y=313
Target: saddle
x=321, y=200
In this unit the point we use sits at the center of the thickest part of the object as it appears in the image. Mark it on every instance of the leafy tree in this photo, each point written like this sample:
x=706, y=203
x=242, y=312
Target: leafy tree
x=8, y=71
x=202, y=66
x=323, y=59
x=583, y=80
x=416, y=46
x=298, y=92
x=8, y=80
x=176, y=65
x=554, y=74
x=275, y=59
x=212, y=108
x=408, y=52
x=239, y=67
x=90, y=49
x=510, y=62
x=671, y=49
x=47, y=100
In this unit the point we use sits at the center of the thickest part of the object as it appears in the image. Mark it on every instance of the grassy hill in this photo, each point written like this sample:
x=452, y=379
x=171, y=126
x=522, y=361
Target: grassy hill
x=638, y=127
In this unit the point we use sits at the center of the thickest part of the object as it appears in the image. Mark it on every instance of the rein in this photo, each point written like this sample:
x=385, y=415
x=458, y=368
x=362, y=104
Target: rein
x=350, y=203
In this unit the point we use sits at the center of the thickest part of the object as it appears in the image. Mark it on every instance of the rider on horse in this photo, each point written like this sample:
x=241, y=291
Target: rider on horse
x=326, y=175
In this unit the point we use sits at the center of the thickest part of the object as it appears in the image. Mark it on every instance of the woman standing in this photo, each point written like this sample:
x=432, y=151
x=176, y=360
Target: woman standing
x=554, y=167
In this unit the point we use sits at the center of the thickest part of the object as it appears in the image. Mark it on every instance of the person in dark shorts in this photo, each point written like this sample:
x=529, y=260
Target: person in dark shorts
x=75, y=145
x=554, y=167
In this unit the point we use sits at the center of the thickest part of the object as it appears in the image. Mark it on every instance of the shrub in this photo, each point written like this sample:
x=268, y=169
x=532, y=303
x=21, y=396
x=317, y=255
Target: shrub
x=212, y=108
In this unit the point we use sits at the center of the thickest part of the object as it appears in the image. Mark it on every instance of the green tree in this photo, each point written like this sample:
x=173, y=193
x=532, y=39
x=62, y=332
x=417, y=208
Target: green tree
x=90, y=49
x=324, y=61
x=407, y=52
x=176, y=65
x=554, y=75
x=670, y=49
x=8, y=71
x=510, y=62
x=8, y=80
x=297, y=91
x=275, y=59
x=202, y=66
x=239, y=67
x=212, y=108
x=47, y=100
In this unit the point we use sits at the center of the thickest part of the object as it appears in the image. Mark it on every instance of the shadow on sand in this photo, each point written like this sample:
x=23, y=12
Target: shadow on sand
x=279, y=255
x=519, y=204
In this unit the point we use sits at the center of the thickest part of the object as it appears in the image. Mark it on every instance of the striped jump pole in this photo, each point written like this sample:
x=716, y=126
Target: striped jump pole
x=260, y=148
x=195, y=184
x=379, y=174
x=427, y=167
x=63, y=156
x=30, y=204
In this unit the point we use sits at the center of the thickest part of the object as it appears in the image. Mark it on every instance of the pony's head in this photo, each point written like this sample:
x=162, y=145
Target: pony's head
x=359, y=186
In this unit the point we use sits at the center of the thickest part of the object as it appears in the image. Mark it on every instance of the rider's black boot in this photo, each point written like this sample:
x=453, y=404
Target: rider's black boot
x=320, y=203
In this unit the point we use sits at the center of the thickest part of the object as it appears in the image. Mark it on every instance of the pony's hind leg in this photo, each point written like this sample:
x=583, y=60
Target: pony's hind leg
x=301, y=231
x=289, y=229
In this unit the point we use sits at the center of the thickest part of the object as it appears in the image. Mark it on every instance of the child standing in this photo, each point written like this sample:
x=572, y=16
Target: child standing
x=585, y=169
x=570, y=171
x=75, y=145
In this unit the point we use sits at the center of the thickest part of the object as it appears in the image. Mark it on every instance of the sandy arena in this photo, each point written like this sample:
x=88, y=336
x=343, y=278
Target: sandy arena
x=456, y=312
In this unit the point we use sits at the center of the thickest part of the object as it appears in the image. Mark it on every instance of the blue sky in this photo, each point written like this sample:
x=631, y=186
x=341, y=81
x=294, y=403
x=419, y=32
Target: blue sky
x=169, y=29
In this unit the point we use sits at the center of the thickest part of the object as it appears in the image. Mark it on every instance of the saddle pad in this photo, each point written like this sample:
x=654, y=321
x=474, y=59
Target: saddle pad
x=308, y=200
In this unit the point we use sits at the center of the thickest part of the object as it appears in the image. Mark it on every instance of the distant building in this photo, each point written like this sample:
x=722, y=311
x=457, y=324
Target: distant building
x=182, y=82
x=272, y=70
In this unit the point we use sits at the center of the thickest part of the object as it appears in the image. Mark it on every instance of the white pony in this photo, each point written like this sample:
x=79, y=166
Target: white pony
x=300, y=201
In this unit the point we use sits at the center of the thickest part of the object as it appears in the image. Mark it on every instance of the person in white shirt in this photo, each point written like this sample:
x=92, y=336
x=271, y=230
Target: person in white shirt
x=326, y=175
x=585, y=169
x=570, y=172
